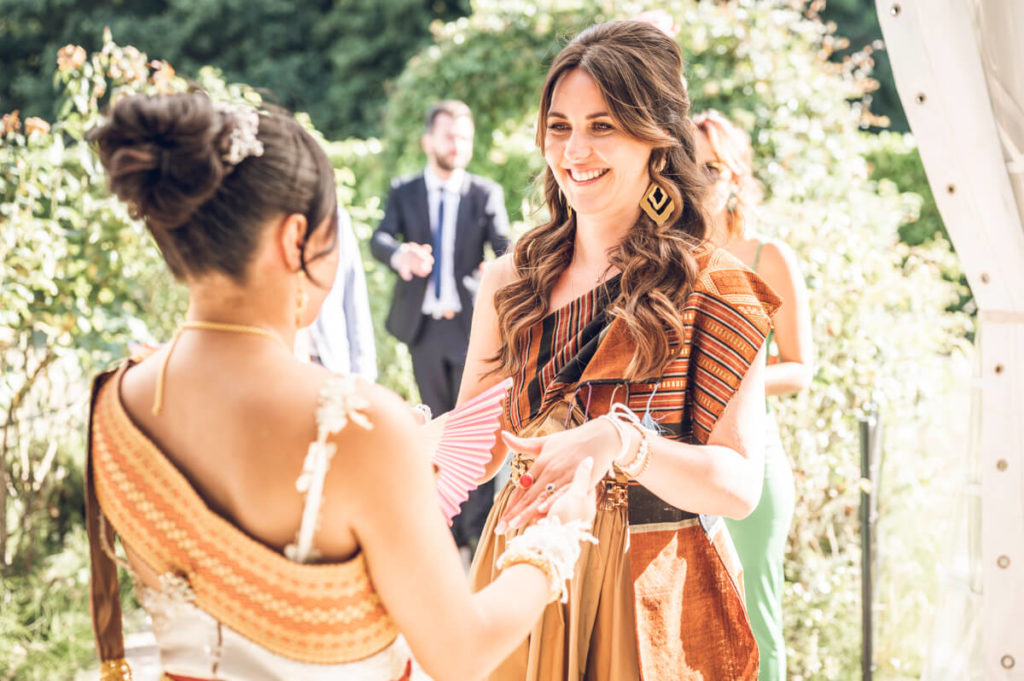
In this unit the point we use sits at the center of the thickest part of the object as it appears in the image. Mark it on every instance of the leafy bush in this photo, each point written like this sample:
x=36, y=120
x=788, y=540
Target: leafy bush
x=79, y=277
x=330, y=59
x=879, y=305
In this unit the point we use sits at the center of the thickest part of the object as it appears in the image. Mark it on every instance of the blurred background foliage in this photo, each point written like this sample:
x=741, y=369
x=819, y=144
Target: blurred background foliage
x=328, y=58
x=81, y=281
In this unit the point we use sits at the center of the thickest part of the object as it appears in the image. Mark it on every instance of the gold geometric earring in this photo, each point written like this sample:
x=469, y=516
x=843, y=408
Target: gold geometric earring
x=657, y=204
x=300, y=300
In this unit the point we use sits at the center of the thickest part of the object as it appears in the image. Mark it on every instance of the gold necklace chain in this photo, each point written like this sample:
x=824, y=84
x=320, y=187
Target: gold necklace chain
x=233, y=328
x=199, y=325
x=597, y=280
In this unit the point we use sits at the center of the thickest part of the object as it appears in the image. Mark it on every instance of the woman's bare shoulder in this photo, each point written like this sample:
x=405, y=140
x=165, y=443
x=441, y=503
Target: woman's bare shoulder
x=778, y=259
x=379, y=422
x=500, y=272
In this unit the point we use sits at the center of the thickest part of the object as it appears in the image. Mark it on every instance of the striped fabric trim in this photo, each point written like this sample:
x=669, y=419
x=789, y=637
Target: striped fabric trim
x=726, y=319
x=558, y=348
x=319, y=613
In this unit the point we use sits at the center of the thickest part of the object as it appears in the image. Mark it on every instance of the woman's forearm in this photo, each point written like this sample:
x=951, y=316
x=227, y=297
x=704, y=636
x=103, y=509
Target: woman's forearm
x=785, y=378
x=498, y=618
x=711, y=479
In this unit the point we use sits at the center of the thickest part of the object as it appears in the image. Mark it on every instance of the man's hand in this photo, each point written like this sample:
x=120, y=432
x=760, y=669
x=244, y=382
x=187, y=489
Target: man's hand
x=414, y=260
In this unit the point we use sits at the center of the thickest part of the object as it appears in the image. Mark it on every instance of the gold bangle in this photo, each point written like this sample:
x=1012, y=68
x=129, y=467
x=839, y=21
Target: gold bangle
x=115, y=670
x=538, y=561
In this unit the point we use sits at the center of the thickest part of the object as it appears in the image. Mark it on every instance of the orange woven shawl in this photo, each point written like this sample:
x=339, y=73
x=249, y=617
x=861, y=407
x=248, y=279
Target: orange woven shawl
x=319, y=613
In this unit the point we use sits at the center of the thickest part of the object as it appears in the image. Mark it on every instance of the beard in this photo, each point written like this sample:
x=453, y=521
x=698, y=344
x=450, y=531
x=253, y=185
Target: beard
x=444, y=164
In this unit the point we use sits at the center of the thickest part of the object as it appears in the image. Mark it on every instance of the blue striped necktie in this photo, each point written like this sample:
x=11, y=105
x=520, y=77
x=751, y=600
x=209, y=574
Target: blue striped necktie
x=438, y=241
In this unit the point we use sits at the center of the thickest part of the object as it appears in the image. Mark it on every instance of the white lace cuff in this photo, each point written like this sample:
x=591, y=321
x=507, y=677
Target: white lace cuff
x=552, y=547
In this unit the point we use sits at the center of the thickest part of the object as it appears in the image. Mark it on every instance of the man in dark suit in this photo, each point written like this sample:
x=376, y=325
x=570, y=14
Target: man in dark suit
x=433, y=234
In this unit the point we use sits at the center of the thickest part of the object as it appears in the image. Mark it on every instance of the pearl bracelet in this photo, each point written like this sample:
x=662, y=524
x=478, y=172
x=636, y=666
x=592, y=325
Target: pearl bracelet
x=638, y=465
x=620, y=415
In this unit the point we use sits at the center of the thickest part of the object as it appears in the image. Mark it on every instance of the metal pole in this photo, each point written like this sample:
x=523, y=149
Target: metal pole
x=870, y=457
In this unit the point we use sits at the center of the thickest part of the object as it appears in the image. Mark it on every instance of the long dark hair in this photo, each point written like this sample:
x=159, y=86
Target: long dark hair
x=639, y=72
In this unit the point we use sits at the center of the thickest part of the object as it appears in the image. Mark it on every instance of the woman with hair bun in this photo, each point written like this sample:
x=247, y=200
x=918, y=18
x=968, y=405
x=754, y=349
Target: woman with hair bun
x=275, y=517
x=760, y=538
x=631, y=340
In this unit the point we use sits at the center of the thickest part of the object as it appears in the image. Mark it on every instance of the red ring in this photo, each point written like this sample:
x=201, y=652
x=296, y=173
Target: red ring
x=526, y=481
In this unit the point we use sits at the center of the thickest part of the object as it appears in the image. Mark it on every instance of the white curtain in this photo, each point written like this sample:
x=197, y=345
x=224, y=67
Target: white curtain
x=959, y=68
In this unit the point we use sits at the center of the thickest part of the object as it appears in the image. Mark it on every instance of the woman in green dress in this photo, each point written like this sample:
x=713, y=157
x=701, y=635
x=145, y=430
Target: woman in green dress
x=760, y=538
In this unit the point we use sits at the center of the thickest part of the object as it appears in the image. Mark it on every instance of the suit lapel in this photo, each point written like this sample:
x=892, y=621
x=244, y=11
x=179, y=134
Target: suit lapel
x=465, y=214
x=420, y=208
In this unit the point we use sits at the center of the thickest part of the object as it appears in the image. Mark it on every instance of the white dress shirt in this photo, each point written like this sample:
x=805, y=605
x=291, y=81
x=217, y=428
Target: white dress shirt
x=449, y=191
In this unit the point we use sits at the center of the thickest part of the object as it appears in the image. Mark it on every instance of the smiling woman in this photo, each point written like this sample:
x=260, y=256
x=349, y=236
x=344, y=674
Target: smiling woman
x=601, y=168
x=631, y=340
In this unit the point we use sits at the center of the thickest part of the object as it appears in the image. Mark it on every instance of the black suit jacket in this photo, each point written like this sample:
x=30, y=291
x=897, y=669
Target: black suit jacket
x=481, y=219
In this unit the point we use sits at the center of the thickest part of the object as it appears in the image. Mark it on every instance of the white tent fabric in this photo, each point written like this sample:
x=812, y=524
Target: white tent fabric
x=959, y=69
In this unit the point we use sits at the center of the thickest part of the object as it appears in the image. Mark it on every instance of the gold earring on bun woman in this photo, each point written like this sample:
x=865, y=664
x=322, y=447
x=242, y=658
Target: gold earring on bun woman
x=300, y=300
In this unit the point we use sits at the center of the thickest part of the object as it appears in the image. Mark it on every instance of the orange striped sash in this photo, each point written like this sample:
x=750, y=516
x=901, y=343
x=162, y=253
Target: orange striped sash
x=322, y=613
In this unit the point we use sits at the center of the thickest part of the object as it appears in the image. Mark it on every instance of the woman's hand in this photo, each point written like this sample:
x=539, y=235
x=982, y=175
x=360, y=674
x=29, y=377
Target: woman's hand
x=558, y=457
x=578, y=500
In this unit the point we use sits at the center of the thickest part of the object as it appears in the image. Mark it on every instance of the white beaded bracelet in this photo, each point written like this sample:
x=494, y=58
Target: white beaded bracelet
x=620, y=415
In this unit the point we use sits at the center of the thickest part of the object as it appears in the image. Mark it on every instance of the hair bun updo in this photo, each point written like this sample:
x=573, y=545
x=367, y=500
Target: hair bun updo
x=209, y=178
x=163, y=155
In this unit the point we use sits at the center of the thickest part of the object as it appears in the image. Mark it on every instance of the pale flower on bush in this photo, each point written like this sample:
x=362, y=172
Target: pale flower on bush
x=163, y=76
x=34, y=124
x=10, y=123
x=661, y=20
x=70, y=57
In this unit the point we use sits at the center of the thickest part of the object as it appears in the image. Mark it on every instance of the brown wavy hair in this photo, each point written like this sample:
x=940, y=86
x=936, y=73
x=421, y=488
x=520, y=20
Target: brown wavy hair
x=638, y=70
x=731, y=147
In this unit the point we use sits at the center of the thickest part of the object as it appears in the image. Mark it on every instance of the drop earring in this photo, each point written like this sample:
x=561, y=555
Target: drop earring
x=565, y=202
x=657, y=203
x=300, y=299
x=733, y=202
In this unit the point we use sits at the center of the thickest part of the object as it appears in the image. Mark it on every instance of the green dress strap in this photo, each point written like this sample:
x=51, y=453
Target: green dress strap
x=753, y=266
x=757, y=255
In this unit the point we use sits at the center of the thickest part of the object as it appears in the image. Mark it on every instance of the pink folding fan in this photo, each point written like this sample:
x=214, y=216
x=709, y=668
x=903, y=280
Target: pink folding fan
x=463, y=439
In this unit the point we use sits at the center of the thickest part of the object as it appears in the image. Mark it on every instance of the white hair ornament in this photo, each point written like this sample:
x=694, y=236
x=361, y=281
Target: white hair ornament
x=242, y=141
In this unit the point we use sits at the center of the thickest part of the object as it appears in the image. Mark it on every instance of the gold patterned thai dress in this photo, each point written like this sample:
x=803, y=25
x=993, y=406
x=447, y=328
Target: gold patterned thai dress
x=659, y=597
x=230, y=608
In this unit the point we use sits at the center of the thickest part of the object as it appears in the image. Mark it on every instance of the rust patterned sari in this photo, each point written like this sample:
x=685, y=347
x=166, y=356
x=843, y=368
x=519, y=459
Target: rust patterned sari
x=660, y=597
